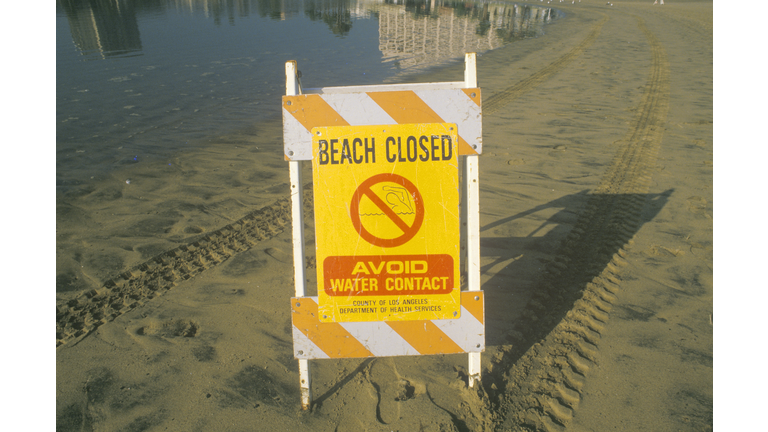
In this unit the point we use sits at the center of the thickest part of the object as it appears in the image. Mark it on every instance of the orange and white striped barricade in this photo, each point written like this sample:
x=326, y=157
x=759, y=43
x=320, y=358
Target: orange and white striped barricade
x=428, y=125
x=313, y=339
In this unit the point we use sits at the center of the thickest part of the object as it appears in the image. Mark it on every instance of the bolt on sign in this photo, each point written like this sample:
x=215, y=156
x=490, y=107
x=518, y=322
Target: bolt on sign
x=387, y=222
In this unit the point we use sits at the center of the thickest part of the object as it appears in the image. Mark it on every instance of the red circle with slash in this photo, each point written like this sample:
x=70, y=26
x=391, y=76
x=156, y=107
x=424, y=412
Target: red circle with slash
x=364, y=190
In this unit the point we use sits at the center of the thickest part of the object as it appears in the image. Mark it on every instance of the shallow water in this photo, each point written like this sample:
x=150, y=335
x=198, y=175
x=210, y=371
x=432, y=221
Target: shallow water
x=139, y=79
x=168, y=112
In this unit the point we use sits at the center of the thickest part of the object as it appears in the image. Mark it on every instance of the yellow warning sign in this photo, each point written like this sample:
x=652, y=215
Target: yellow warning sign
x=387, y=222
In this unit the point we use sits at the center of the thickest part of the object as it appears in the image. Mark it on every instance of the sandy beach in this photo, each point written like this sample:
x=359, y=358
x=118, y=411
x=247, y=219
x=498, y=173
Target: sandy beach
x=596, y=221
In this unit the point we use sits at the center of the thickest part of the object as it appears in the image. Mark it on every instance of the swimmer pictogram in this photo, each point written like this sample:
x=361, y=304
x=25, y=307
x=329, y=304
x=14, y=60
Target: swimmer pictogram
x=394, y=198
x=398, y=199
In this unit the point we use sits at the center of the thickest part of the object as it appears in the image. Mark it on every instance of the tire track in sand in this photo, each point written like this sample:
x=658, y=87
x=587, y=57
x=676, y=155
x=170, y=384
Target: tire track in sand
x=504, y=97
x=537, y=384
x=78, y=317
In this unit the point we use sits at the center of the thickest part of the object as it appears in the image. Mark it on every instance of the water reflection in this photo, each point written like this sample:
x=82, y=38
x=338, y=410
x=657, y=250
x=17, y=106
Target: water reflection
x=411, y=33
x=335, y=13
x=167, y=75
x=425, y=34
x=103, y=28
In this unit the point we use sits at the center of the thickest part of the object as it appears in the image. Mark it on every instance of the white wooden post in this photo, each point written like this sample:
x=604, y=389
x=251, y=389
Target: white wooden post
x=472, y=216
x=292, y=88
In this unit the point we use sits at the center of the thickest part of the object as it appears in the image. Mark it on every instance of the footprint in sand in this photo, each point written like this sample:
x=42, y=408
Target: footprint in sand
x=392, y=389
x=697, y=205
x=171, y=328
x=279, y=255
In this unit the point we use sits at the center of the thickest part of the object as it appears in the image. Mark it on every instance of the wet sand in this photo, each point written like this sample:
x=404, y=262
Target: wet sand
x=596, y=212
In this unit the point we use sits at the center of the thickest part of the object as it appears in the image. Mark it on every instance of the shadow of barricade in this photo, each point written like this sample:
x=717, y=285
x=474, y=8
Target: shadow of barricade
x=536, y=279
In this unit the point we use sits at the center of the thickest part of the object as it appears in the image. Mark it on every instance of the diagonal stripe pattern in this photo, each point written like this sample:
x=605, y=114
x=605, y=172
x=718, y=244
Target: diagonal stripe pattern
x=367, y=108
x=315, y=340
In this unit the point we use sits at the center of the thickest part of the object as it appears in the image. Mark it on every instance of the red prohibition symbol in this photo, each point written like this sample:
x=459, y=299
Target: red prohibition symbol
x=409, y=231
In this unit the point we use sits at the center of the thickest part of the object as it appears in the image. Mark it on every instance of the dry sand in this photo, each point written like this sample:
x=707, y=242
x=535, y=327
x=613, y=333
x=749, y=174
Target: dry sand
x=597, y=238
